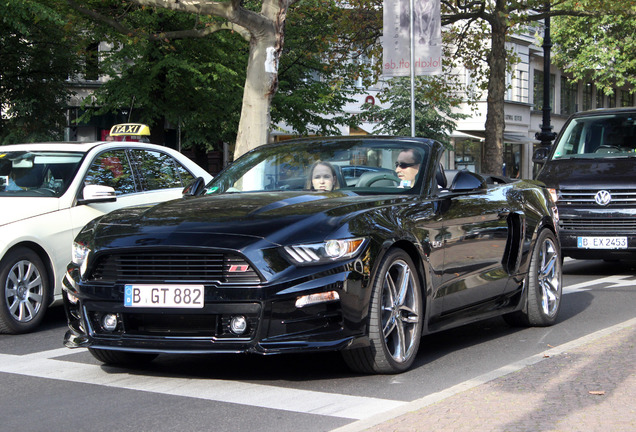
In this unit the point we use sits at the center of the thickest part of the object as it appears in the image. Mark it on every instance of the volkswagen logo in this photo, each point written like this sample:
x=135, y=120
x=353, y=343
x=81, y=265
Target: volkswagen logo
x=603, y=198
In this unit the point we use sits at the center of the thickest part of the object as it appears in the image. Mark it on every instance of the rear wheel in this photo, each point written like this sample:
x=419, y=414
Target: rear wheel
x=121, y=357
x=543, y=285
x=395, y=320
x=25, y=291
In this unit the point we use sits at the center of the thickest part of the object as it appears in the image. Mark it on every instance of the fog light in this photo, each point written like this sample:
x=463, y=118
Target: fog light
x=109, y=322
x=238, y=324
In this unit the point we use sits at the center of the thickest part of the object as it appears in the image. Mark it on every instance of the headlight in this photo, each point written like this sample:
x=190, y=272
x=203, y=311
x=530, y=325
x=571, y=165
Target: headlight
x=327, y=251
x=79, y=253
x=554, y=194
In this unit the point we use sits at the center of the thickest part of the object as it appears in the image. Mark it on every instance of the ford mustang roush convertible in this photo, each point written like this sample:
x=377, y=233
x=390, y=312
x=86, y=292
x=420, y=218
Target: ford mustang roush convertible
x=283, y=253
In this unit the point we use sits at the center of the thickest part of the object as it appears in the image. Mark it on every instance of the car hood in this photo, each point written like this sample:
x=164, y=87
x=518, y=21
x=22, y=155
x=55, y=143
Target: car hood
x=234, y=221
x=589, y=173
x=19, y=208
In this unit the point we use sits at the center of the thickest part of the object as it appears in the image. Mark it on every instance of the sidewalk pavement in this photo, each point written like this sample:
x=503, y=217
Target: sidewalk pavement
x=586, y=385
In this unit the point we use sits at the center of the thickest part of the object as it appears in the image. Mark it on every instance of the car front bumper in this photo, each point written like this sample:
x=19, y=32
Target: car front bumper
x=274, y=323
x=613, y=229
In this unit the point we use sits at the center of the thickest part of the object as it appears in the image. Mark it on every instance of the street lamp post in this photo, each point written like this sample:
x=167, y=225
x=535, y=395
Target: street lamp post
x=546, y=136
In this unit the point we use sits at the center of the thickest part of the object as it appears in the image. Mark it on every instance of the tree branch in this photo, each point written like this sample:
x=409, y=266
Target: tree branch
x=213, y=8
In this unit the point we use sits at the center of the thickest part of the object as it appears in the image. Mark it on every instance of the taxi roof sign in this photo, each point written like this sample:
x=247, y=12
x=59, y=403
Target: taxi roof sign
x=130, y=129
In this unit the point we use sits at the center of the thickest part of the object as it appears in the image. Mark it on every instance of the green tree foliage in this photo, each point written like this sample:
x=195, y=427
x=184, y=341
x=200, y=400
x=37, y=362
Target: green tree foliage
x=194, y=83
x=434, y=115
x=38, y=53
x=600, y=49
x=198, y=82
x=324, y=54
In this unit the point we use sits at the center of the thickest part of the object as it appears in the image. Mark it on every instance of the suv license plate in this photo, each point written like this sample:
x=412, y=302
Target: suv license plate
x=602, y=242
x=164, y=296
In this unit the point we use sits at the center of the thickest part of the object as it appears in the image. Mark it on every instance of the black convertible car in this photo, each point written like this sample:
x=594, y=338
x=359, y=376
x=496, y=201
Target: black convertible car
x=281, y=254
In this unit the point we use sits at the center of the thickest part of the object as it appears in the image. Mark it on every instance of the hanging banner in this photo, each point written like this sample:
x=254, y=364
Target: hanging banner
x=427, y=38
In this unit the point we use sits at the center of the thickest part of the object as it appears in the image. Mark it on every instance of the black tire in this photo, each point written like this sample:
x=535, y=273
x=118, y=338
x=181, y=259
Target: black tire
x=395, y=318
x=544, y=286
x=121, y=357
x=25, y=291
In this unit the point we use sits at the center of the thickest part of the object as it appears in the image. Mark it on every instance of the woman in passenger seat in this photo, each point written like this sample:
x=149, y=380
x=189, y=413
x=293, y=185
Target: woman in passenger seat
x=322, y=177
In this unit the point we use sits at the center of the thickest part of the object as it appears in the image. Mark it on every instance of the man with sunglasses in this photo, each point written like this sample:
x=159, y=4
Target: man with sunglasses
x=407, y=166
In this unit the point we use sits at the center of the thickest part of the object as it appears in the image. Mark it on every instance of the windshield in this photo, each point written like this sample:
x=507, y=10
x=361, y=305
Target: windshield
x=324, y=166
x=611, y=135
x=37, y=174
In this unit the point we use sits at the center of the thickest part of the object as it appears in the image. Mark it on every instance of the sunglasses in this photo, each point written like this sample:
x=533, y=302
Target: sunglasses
x=404, y=165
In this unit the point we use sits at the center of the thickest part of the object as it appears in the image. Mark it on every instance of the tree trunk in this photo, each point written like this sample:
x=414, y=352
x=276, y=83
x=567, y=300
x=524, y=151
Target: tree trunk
x=495, y=121
x=260, y=87
x=261, y=82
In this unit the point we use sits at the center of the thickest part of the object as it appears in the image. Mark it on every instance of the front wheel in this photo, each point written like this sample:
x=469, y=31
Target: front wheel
x=25, y=291
x=543, y=285
x=395, y=319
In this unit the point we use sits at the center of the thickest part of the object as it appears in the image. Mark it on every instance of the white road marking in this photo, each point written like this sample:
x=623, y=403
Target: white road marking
x=616, y=280
x=43, y=365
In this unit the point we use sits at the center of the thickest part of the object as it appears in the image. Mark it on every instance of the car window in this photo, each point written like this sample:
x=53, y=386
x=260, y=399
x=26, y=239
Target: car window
x=373, y=167
x=598, y=136
x=37, y=174
x=160, y=170
x=112, y=168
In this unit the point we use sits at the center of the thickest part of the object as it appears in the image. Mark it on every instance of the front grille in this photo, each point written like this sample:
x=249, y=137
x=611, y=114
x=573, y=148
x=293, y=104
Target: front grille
x=582, y=225
x=585, y=197
x=166, y=266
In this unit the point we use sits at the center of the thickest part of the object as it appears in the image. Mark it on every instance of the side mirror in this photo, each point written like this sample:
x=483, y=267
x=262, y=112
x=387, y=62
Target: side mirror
x=195, y=188
x=540, y=155
x=466, y=181
x=97, y=194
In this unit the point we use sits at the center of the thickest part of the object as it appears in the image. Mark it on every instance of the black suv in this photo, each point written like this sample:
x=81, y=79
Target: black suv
x=591, y=174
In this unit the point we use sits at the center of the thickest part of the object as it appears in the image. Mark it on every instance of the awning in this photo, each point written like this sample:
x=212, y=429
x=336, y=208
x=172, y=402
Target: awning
x=509, y=137
x=518, y=139
x=466, y=135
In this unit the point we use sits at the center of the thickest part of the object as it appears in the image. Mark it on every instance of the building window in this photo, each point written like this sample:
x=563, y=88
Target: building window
x=538, y=90
x=522, y=86
x=568, y=96
x=508, y=95
x=512, y=160
x=587, y=96
x=91, y=62
x=599, y=99
x=611, y=100
x=468, y=155
x=627, y=99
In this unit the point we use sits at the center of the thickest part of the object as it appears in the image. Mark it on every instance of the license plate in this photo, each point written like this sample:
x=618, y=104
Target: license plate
x=164, y=296
x=602, y=242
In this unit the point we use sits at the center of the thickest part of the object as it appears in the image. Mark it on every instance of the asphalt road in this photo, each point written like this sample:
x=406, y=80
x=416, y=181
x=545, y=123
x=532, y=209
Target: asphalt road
x=46, y=387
